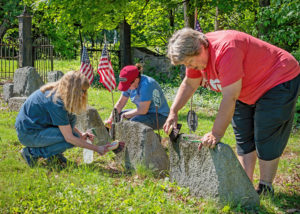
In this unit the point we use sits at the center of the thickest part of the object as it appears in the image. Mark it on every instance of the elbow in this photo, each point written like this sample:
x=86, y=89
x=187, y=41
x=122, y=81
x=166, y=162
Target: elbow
x=143, y=111
x=69, y=138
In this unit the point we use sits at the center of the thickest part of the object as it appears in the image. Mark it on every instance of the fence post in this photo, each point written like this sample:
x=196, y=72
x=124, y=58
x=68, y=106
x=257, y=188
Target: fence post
x=125, y=44
x=25, y=40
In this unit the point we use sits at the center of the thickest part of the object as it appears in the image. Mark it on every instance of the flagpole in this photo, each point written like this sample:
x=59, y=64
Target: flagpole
x=112, y=92
x=195, y=21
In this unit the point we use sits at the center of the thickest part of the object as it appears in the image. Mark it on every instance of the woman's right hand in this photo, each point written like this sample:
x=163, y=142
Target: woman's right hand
x=171, y=120
x=102, y=150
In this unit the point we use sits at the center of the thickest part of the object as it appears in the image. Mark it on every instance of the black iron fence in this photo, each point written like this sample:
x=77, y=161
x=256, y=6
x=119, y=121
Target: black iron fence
x=43, y=57
x=9, y=59
x=95, y=52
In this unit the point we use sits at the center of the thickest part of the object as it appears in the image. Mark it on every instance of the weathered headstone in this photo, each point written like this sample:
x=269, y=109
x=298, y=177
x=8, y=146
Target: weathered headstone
x=15, y=103
x=142, y=146
x=26, y=81
x=8, y=90
x=91, y=119
x=211, y=173
x=53, y=76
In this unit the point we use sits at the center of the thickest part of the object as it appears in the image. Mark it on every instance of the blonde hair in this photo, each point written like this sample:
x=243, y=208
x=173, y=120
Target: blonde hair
x=71, y=89
x=185, y=43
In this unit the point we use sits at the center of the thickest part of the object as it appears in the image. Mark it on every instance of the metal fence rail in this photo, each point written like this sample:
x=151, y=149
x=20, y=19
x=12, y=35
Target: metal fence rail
x=9, y=58
x=43, y=57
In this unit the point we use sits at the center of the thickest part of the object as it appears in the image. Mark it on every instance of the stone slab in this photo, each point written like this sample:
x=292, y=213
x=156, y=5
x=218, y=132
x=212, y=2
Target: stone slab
x=142, y=147
x=91, y=119
x=15, y=103
x=211, y=173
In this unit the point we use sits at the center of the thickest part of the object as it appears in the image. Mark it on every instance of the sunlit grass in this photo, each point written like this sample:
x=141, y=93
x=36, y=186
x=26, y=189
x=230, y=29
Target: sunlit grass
x=104, y=187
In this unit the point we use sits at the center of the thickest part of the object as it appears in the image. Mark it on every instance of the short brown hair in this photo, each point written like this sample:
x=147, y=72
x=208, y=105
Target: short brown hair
x=184, y=43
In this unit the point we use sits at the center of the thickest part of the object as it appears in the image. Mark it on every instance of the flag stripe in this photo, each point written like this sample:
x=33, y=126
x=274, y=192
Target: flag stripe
x=106, y=72
x=86, y=67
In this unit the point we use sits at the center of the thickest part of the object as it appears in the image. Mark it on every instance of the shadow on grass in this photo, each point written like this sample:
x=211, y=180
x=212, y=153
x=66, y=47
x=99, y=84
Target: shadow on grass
x=282, y=202
x=96, y=166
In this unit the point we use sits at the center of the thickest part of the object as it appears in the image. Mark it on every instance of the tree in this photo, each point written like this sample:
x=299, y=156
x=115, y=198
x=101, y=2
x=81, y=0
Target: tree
x=10, y=9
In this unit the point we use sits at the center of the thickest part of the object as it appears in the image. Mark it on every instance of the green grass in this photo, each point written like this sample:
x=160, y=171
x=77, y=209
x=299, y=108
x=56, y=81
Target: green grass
x=66, y=65
x=104, y=187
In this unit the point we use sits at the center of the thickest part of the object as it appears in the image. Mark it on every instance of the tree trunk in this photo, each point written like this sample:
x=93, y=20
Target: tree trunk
x=3, y=29
x=171, y=17
x=125, y=44
x=188, y=15
x=262, y=30
x=264, y=3
x=217, y=23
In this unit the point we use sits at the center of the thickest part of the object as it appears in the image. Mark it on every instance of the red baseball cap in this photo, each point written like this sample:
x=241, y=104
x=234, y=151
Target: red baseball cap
x=127, y=75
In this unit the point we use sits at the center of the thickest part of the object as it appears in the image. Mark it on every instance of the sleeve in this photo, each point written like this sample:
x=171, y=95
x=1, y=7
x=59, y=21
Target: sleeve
x=230, y=66
x=192, y=73
x=58, y=114
x=126, y=93
x=146, y=92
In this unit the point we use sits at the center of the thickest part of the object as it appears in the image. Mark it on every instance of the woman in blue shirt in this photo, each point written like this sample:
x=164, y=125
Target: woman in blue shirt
x=46, y=121
x=140, y=88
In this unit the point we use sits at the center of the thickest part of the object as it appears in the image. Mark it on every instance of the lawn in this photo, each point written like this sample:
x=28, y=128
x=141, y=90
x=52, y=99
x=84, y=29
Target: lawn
x=104, y=187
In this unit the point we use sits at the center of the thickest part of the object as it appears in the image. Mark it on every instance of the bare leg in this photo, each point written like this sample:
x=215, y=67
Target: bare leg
x=268, y=170
x=248, y=163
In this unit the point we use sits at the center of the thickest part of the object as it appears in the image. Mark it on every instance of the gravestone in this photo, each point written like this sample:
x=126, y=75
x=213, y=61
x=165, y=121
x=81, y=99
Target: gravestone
x=8, y=90
x=211, y=173
x=91, y=119
x=53, y=76
x=26, y=81
x=142, y=146
x=15, y=103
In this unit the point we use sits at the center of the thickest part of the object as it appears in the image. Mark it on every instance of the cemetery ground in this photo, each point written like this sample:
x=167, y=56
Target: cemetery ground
x=104, y=187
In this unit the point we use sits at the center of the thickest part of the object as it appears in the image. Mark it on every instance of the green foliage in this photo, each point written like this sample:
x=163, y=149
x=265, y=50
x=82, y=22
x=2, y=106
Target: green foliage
x=282, y=21
x=62, y=20
x=172, y=78
x=10, y=9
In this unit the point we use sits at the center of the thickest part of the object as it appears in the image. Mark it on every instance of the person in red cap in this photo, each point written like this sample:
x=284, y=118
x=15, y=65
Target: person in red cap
x=145, y=93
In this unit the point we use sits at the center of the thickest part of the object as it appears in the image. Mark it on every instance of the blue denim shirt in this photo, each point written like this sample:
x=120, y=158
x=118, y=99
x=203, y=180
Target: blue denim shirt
x=144, y=92
x=39, y=112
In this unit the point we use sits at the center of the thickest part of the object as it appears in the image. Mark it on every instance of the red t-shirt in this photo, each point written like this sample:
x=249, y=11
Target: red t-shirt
x=234, y=55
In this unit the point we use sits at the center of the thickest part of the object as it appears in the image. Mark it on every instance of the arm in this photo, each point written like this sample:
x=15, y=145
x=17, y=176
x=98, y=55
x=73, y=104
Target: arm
x=119, y=106
x=141, y=110
x=79, y=142
x=230, y=95
x=185, y=91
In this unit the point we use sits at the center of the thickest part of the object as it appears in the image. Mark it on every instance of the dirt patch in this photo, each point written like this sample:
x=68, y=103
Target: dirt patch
x=2, y=82
x=3, y=104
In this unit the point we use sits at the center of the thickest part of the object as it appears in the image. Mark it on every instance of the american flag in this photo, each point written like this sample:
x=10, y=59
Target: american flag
x=86, y=67
x=106, y=72
x=197, y=26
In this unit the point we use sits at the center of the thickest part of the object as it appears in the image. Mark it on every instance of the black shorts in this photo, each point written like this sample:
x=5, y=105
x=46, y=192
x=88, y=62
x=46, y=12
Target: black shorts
x=266, y=125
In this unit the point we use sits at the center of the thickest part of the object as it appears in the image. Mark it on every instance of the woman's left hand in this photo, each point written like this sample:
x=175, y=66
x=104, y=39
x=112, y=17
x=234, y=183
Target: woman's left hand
x=209, y=140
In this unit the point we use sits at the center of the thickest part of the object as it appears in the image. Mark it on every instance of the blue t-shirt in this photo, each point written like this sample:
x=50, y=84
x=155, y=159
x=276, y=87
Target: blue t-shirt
x=144, y=92
x=40, y=112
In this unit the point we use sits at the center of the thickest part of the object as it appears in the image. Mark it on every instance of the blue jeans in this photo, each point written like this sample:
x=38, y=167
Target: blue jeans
x=149, y=119
x=46, y=142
